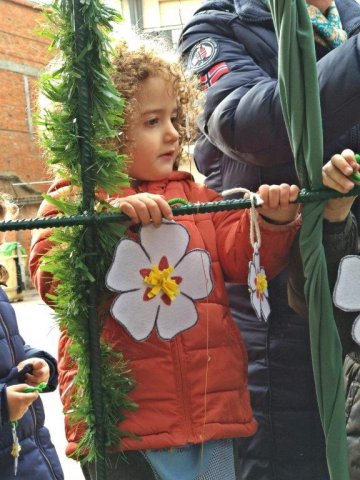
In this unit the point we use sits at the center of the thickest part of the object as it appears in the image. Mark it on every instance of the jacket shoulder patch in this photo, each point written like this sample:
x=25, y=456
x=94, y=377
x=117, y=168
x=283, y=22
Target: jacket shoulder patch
x=202, y=54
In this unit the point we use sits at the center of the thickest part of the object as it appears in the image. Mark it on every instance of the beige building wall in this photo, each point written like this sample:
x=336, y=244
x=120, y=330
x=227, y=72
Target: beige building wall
x=151, y=14
x=161, y=14
x=174, y=12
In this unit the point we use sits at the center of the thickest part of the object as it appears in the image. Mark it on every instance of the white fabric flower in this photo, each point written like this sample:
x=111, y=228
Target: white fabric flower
x=158, y=281
x=345, y=294
x=258, y=287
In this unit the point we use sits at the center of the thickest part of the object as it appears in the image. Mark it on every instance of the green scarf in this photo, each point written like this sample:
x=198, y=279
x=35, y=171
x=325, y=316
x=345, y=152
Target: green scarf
x=328, y=30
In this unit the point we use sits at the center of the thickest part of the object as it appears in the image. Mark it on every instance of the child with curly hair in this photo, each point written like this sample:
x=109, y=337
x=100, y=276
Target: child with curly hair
x=185, y=353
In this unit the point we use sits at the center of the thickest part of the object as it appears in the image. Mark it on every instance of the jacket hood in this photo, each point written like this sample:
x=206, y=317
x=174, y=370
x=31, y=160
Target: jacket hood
x=248, y=8
x=252, y=9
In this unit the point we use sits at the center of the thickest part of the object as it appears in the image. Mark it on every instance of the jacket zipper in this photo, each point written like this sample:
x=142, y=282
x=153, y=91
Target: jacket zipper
x=37, y=441
x=184, y=402
x=7, y=334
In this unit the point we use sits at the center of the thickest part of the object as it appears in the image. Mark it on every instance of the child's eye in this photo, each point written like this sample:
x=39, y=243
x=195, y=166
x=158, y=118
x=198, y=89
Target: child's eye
x=174, y=120
x=152, y=121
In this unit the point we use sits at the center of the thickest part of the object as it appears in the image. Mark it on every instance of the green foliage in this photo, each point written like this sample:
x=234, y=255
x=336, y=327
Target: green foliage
x=70, y=263
x=59, y=117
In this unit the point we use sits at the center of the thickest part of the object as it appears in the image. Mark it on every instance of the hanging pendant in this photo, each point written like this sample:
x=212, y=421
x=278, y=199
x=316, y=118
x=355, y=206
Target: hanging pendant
x=16, y=447
x=258, y=286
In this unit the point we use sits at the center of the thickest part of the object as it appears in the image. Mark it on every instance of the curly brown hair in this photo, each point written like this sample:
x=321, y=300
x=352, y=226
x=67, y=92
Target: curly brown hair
x=133, y=65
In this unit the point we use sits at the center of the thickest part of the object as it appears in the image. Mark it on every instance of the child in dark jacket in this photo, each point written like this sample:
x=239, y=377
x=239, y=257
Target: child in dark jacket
x=26, y=450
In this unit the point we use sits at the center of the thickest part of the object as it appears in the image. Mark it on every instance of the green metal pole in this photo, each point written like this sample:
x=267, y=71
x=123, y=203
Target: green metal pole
x=305, y=196
x=85, y=136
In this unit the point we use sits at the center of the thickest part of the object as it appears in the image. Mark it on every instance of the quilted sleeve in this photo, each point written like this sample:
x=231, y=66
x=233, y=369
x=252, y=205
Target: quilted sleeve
x=41, y=244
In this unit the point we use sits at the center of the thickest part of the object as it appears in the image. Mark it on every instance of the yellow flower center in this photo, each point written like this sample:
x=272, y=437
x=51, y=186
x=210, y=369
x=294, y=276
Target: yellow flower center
x=160, y=281
x=261, y=283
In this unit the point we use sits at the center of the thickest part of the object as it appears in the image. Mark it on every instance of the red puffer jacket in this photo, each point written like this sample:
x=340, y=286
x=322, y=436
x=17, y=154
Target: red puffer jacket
x=191, y=388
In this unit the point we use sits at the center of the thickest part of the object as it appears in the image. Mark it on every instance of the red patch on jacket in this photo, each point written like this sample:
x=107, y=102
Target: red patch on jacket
x=213, y=75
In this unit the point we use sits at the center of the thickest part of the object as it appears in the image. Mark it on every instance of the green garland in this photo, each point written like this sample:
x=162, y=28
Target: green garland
x=61, y=140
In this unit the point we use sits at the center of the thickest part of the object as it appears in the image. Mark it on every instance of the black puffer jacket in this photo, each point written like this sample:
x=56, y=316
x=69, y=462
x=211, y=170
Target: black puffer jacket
x=242, y=118
x=38, y=459
x=232, y=45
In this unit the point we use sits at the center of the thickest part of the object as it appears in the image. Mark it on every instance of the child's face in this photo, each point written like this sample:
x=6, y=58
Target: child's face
x=154, y=140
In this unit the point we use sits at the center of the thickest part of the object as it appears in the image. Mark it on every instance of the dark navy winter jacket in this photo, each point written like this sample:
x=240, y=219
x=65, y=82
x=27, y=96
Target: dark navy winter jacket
x=243, y=119
x=38, y=458
x=231, y=45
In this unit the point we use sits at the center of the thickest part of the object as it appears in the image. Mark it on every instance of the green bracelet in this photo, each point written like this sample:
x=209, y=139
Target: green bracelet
x=177, y=201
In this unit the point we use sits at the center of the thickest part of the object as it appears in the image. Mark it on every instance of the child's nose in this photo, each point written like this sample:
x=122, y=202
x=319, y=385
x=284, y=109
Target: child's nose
x=172, y=135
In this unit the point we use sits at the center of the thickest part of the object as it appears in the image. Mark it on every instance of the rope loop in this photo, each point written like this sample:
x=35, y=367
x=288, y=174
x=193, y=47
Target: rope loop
x=256, y=201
